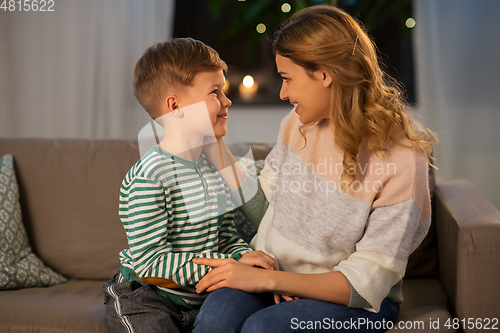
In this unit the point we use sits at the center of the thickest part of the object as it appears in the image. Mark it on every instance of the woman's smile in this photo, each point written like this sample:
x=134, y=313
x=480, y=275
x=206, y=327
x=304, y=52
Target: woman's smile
x=296, y=108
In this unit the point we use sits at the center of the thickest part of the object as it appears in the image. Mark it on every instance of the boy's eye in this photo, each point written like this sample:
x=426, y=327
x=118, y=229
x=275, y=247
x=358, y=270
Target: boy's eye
x=214, y=92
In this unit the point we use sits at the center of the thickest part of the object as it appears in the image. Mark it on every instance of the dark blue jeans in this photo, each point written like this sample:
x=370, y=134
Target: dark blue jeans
x=230, y=310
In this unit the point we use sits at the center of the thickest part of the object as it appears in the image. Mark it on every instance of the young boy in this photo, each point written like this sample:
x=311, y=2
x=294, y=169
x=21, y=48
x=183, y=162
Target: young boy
x=174, y=205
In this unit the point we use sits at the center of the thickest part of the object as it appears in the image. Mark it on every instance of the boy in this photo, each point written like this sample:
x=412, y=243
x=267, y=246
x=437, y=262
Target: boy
x=174, y=205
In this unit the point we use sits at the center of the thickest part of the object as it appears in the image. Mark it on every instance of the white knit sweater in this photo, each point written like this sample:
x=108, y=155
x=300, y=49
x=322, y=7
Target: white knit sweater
x=312, y=226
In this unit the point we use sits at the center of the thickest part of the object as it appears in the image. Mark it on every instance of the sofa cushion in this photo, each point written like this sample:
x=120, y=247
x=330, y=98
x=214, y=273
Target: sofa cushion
x=423, y=262
x=424, y=309
x=69, y=197
x=19, y=267
x=76, y=306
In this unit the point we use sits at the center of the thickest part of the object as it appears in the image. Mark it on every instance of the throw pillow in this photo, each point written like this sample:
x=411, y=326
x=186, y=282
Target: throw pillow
x=19, y=266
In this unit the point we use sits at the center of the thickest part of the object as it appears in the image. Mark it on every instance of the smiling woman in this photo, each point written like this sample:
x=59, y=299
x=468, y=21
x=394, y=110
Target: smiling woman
x=310, y=92
x=341, y=235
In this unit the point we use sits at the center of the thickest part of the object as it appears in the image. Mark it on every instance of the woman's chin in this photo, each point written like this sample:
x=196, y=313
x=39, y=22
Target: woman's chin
x=219, y=133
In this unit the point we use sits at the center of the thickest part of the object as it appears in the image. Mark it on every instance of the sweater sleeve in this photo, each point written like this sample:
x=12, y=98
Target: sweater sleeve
x=263, y=187
x=255, y=208
x=391, y=234
x=145, y=219
x=229, y=241
x=379, y=261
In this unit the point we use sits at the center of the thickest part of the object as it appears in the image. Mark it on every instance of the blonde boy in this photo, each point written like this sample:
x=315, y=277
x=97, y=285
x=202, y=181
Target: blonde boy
x=174, y=205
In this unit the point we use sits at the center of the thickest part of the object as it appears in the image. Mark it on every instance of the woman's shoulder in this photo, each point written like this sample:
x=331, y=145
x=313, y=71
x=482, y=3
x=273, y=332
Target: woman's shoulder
x=403, y=175
x=409, y=160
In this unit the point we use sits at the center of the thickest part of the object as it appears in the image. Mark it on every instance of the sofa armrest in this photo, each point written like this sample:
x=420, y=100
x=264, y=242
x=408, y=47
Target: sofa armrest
x=468, y=237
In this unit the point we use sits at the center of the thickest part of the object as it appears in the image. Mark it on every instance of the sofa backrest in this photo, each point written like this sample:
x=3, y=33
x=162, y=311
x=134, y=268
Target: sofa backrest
x=69, y=193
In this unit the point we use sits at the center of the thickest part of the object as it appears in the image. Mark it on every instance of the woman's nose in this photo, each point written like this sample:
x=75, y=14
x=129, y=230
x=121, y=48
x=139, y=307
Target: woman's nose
x=283, y=93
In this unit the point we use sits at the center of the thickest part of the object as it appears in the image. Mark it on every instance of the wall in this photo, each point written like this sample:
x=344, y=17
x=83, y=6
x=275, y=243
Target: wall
x=457, y=49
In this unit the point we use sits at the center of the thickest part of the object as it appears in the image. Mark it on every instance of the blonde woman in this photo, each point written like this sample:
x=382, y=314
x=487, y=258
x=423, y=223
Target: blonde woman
x=343, y=198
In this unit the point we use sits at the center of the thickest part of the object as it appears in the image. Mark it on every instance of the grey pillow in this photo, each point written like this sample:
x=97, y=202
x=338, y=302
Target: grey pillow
x=19, y=266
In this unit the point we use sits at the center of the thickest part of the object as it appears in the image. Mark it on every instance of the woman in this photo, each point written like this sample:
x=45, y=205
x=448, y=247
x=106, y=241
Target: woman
x=345, y=188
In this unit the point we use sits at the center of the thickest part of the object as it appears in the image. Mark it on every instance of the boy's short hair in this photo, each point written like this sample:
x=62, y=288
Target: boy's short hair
x=168, y=66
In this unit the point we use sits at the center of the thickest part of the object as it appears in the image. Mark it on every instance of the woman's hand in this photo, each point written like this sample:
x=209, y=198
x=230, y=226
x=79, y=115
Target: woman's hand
x=229, y=273
x=259, y=259
x=262, y=259
x=242, y=274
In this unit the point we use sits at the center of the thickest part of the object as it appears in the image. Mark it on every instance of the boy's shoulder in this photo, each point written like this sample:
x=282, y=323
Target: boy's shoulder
x=148, y=166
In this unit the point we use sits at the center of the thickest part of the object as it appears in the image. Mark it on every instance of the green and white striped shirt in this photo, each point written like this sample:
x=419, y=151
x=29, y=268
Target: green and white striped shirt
x=174, y=210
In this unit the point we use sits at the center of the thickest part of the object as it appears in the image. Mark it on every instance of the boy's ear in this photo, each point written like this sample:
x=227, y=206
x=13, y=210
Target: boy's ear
x=172, y=105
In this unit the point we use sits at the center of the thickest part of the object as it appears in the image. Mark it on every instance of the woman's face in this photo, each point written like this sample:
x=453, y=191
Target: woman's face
x=310, y=95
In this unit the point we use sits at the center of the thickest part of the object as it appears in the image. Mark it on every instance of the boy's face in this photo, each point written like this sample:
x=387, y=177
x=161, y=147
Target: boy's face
x=207, y=87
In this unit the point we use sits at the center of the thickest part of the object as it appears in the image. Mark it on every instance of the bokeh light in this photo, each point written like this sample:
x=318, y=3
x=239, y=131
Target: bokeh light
x=261, y=28
x=410, y=23
x=248, y=81
x=285, y=8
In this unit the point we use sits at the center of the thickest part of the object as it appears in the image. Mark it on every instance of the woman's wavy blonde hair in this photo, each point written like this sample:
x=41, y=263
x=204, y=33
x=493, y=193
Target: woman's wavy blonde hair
x=367, y=105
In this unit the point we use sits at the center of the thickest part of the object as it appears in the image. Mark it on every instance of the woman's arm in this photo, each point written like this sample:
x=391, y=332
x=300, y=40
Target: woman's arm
x=329, y=287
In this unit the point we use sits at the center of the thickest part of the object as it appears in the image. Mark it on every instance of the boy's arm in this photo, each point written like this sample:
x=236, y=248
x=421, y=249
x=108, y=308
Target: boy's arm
x=145, y=219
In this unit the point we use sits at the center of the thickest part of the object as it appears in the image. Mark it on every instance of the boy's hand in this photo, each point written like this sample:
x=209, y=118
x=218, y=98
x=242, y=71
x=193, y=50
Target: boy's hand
x=212, y=152
x=260, y=259
x=277, y=298
x=221, y=158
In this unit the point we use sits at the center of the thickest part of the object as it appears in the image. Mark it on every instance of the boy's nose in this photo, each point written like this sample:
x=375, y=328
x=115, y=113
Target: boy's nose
x=226, y=102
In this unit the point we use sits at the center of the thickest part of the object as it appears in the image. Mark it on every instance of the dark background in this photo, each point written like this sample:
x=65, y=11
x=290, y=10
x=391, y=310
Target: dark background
x=229, y=27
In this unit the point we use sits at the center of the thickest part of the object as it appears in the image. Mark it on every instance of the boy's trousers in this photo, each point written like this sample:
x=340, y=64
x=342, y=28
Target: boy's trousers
x=134, y=307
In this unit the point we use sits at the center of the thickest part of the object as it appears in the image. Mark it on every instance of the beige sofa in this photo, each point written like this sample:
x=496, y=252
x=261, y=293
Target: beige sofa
x=69, y=198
